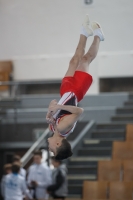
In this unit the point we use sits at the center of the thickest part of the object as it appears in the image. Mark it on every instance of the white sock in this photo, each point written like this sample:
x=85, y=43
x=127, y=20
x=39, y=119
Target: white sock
x=84, y=32
x=97, y=32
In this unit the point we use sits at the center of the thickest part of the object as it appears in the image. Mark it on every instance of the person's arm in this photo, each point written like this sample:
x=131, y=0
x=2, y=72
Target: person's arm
x=57, y=185
x=49, y=115
x=25, y=190
x=54, y=107
x=30, y=176
x=67, y=122
x=23, y=172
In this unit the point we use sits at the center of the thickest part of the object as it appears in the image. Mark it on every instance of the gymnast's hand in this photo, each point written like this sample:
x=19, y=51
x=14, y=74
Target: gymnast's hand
x=52, y=109
x=50, y=119
x=49, y=116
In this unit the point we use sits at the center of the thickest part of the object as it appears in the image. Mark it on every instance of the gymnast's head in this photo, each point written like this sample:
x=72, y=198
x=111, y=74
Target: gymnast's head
x=60, y=147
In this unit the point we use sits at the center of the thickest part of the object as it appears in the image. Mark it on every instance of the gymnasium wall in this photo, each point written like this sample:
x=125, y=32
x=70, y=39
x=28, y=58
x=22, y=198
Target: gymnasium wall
x=40, y=37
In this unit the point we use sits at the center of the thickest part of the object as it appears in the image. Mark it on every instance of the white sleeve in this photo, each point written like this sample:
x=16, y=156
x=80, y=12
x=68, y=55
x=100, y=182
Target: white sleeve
x=25, y=190
x=3, y=187
x=29, y=177
x=24, y=173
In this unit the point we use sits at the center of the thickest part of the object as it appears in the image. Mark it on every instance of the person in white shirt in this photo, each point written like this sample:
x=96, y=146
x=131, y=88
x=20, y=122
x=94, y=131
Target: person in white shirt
x=22, y=171
x=39, y=177
x=7, y=170
x=15, y=185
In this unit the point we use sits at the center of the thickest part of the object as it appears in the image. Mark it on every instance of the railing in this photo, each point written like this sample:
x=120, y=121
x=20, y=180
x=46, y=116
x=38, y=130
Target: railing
x=39, y=143
x=82, y=134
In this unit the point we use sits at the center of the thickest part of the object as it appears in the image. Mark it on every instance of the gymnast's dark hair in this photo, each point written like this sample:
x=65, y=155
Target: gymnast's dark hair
x=64, y=151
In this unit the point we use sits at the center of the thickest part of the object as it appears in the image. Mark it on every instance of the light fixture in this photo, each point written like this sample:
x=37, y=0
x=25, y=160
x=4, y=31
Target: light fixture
x=87, y=2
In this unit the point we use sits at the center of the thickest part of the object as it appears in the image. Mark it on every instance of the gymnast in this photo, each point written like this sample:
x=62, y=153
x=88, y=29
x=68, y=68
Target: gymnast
x=62, y=116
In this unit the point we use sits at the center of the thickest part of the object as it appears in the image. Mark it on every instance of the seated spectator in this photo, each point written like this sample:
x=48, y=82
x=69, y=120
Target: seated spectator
x=39, y=177
x=15, y=185
x=22, y=172
x=7, y=170
x=58, y=189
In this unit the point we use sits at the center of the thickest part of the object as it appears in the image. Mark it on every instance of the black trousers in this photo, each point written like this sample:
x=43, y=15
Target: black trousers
x=58, y=197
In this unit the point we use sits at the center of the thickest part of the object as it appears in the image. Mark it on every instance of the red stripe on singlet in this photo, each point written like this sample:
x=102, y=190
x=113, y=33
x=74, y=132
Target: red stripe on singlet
x=58, y=120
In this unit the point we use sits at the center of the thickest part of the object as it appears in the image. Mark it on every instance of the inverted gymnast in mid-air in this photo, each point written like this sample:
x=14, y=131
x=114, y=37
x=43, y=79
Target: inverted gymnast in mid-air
x=62, y=116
